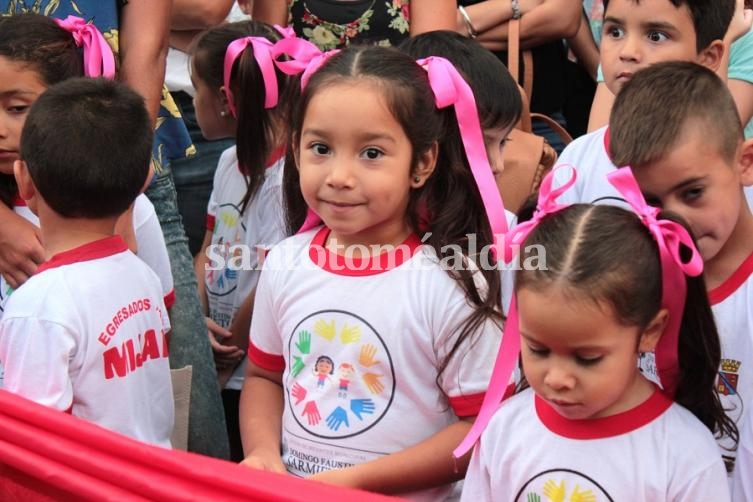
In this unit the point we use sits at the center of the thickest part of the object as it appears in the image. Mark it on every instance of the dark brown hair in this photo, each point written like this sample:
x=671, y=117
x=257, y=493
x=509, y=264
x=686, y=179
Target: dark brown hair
x=607, y=255
x=255, y=133
x=652, y=110
x=39, y=43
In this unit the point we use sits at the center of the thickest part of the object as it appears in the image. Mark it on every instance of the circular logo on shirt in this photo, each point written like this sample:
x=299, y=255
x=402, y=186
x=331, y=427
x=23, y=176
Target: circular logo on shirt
x=562, y=484
x=340, y=379
x=225, y=252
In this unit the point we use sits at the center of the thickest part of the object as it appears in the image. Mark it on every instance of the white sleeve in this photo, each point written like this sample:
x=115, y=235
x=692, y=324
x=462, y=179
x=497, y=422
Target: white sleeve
x=742, y=486
x=709, y=484
x=477, y=483
x=265, y=343
x=151, y=245
x=38, y=357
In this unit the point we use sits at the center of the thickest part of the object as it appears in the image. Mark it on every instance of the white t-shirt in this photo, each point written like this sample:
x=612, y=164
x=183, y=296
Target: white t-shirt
x=732, y=305
x=742, y=489
x=86, y=334
x=261, y=224
x=149, y=241
x=656, y=451
x=359, y=343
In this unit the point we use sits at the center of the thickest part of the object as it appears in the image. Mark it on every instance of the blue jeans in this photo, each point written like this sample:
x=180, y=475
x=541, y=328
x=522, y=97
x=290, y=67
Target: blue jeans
x=189, y=344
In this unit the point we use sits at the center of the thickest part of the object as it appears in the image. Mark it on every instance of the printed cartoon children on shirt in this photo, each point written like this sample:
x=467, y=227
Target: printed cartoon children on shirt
x=336, y=399
x=227, y=253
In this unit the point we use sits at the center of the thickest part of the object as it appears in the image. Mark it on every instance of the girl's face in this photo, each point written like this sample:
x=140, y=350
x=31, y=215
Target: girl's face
x=578, y=357
x=355, y=165
x=210, y=106
x=495, y=140
x=20, y=86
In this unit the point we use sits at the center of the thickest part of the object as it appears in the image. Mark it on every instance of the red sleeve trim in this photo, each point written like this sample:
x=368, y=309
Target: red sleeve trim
x=269, y=362
x=467, y=406
x=170, y=299
x=210, y=222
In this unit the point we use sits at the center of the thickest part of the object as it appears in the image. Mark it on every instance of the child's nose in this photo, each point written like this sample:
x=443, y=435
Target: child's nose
x=559, y=378
x=340, y=175
x=630, y=49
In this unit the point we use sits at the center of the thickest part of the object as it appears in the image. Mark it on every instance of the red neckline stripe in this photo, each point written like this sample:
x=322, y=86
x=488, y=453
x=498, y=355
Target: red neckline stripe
x=91, y=251
x=733, y=282
x=598, y=428
x=360, y=267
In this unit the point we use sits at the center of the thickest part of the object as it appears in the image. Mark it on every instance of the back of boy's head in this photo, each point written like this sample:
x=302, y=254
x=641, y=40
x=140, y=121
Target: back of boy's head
x=37, y=41
x=652, y=110
x=711, y=18
x=496, y=93
x=87, y=144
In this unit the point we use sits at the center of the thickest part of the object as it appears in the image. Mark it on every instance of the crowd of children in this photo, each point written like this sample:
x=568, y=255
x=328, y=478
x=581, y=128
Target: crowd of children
x=368, y=326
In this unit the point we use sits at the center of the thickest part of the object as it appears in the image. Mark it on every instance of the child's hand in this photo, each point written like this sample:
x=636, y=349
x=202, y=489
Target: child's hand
x=21, y=249
x=266, y=461
x=225, y=356
x=741, y=22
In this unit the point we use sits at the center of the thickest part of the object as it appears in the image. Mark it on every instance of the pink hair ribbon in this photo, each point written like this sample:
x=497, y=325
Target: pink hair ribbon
x=509, y=350
x=305, y=58
x=285, y=31
x=99, y=60
x=669, y=236
x=263, y=56
x=450, y=88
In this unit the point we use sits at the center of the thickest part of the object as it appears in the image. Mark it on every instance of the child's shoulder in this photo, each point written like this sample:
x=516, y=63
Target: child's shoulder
x=591, y=145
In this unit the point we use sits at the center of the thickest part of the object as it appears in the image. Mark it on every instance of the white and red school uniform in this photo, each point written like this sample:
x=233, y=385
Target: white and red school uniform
x=742, y=487
x=230, y=276
x=732, y=305
x=656, y=451
x=86, y=334
x=384, y=324
x=149, y=240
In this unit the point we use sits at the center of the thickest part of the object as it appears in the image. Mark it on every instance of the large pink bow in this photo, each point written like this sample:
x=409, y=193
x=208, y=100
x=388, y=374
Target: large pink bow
x=451, y=89
x=669, y=237
x=264, y=58
x=99, y=60
x=305, y=58
x=509, y=350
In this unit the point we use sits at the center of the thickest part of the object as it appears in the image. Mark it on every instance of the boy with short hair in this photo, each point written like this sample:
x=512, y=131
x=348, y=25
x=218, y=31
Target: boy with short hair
x=87, y=333
x=636, y=34
x=677, y=126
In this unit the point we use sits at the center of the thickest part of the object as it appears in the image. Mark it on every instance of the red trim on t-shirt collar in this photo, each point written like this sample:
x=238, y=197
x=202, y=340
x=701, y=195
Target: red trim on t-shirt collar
x=275, y=155
x=730, y=285
x=371, y=265
x=91, y=251
x=606, y=143
x=597, y=428
x=18, y=201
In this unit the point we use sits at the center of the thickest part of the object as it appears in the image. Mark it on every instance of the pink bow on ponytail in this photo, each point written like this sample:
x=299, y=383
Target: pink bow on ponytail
x=263, y=56
x=451, y=89
x=669, y=236
x=509, y=350
x=99, y=60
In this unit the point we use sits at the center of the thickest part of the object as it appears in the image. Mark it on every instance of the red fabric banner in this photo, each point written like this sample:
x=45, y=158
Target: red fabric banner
x=48, y=455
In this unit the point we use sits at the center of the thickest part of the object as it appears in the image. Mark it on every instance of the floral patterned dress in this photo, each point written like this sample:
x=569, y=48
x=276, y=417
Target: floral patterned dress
x=332, y=24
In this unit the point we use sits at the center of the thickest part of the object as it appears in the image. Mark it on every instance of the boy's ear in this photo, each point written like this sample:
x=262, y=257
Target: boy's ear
x=26, y=188
x=427, y=162
x=745, y=162
x=651, y=335
x=711, y=56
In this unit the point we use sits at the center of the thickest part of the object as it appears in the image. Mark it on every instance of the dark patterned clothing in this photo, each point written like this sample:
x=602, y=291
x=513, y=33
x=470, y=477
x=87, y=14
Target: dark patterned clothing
x=332, y=24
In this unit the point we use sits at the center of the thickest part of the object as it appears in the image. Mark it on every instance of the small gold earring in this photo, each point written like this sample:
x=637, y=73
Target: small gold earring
x=417, y=179
x=223, y=113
